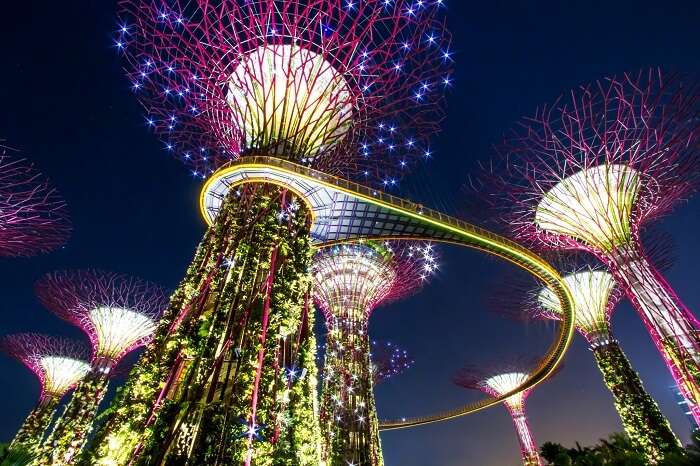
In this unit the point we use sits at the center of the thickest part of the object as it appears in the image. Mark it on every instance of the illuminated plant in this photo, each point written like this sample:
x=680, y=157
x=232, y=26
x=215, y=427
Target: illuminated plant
x=59, y=364
x=349, y=282
x=350, y=88
x=388, y=360
x=33, y=217
x=118, y=313
x=589, y=171
x=499, y=382
x=596, y=296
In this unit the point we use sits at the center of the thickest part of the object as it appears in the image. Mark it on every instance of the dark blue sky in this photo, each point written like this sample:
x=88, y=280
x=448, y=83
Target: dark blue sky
x=68, y=107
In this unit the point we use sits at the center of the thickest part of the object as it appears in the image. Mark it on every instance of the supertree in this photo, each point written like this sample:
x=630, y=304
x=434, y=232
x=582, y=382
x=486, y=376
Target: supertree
x=351, y=88
x=349, y=282
x=33, y=216
x=118, y=313
x=388, y=360
x=497, y=382
x=59, y=364
x=590, y=171
x=596, y=295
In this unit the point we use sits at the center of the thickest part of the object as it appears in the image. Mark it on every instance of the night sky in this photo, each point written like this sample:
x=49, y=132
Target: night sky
x=67, y=106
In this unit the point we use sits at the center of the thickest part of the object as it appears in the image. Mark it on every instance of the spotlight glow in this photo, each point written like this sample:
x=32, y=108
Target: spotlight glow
x=285, y=95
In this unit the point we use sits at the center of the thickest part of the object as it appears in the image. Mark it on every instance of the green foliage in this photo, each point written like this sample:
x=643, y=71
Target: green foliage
x=233, y=326
x=616, y=450
x=647, y=428
x=70, y=433
x=31, y=434
x=11, y=455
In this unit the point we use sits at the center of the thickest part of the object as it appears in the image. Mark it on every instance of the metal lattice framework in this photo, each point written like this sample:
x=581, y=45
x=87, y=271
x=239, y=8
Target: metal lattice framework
x=117, y=312
x=499, y=382
x=58, y=363
x=33, y=216
x=589, y=171
x=353, y=88
x=345, y=212
x=388, y=360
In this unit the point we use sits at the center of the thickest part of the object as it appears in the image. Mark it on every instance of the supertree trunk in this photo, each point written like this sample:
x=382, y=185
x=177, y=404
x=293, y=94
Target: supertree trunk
x=31, y=434
x=348, y=412
x=528, y=448
x=213, y=386
x=72, y=428
x=641, y=417
x=671, y=325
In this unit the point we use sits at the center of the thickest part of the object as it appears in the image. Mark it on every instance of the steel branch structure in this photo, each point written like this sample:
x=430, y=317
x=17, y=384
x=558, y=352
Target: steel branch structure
x=59, y=364
x=497, y=383
x=388, y=360
x=33, y=216
x=352, y=88
x=118, y=313
x=589, y=171
x=349, y=282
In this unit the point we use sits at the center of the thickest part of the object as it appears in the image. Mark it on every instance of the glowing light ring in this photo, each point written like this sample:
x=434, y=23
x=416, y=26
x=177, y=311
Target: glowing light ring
x=335, y=201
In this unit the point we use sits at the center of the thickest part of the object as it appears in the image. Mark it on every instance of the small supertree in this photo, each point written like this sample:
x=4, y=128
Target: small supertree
x=118, y=313
x=59, y=364
x=596, y=296
x=33, y=217
x=351, y=88
x=388, y=360
x=498, y=382
x=589, y=171
x=349, y=282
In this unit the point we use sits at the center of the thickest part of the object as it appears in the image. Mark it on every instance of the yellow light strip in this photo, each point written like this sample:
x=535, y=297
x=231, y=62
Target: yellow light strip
x=477, y=239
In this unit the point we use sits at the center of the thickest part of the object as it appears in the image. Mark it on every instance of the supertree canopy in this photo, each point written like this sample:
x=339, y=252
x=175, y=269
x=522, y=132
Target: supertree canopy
x=118, y=313
x=349, y=282
x=388, y=360
x=59, y=364
x=499, y=382
x=595, y=296
x=33, y=217
x=318, y=82
x=588, y=172
x=350, y=88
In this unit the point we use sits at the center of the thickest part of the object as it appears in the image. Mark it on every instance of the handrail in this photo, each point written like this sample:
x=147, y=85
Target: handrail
x=463, y=234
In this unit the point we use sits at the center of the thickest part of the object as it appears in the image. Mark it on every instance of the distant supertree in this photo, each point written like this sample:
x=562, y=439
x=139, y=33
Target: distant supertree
x=498, y=382
x=349, y=282
x=596, y=296
x=33, y=216
x=589, y=171
x=118, y=313
x=388, y=360
x=59, y=364
x=350, y=88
